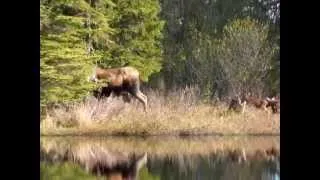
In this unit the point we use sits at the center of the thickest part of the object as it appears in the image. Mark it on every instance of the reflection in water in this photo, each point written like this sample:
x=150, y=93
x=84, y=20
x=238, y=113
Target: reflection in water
x=97, y=160
x=198, y=159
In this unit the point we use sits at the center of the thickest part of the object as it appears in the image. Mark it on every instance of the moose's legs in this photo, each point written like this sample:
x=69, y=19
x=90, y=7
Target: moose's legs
x=125, y=97
x=243, y=105
x=100, y=93
x=265, y=106
x=142, y=98
x=135, y=91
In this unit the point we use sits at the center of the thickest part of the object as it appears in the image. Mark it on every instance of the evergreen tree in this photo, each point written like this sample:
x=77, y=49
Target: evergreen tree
x=138, y=36
x=76, y=34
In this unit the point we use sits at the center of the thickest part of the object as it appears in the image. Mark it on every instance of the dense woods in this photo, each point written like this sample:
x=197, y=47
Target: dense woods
x=222, y=46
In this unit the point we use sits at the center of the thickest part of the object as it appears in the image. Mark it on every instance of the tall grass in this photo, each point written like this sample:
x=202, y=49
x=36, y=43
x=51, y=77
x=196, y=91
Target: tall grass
x=178, y=112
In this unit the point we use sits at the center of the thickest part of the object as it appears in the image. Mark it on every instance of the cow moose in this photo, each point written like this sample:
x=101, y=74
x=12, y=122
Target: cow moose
x=120, y=80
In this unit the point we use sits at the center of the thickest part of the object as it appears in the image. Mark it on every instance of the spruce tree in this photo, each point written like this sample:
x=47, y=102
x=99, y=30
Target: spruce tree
x=68, y=28
x=75, y=35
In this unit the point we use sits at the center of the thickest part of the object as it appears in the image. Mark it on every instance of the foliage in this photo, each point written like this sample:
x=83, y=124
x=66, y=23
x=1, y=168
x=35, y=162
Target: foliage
x=65, y=60
x=192, y=39
x=75, y=34
x=245, y=54
x=173, y=43
x=138, y=34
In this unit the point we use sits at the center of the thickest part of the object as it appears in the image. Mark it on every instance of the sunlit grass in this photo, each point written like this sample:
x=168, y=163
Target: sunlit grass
x=179, y=113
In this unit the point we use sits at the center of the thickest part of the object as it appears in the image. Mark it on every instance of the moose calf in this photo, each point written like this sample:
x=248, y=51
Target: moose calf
x=264, y=104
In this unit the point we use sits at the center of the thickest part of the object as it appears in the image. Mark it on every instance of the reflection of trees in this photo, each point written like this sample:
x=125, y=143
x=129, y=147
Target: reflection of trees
x=214, y=167
x=272, y=172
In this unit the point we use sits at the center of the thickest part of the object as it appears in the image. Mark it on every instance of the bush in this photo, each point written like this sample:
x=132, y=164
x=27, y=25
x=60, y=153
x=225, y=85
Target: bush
x=245, y=55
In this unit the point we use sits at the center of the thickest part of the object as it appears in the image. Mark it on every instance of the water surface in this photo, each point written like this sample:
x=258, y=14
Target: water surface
x=165, y=158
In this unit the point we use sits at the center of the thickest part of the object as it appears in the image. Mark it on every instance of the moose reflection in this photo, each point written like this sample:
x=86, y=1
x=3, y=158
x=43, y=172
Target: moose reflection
x=97, y=160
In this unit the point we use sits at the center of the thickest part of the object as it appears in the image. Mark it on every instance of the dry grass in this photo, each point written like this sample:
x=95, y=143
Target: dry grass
x=180, y=112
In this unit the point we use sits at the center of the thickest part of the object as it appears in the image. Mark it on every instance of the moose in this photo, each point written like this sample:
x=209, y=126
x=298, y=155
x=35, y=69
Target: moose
x=121, y=81
x=264, y=104
x=274, y=103
x=236, y=104
x=106, y=92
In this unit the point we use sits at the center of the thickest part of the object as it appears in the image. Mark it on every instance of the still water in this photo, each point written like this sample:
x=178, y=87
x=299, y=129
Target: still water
x=161, y=158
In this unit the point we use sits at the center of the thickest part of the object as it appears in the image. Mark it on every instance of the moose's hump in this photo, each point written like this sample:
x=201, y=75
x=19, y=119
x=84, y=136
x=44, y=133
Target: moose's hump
x=130, y=72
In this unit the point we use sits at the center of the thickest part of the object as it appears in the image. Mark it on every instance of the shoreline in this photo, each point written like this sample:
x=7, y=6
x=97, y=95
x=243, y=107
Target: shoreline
x=95, y=134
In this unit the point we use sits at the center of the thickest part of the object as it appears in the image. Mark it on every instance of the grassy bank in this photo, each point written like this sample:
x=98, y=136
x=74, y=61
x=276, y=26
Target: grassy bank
x=178, y=113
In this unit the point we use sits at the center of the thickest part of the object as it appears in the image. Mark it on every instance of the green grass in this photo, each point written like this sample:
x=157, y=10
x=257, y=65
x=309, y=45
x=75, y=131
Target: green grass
x=63, y=171
x=71, y=171
x=179, y=113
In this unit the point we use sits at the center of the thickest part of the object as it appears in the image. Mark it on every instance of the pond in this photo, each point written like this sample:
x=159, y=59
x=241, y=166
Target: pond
x=161, y=158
